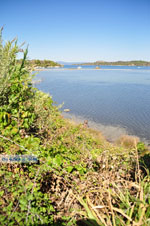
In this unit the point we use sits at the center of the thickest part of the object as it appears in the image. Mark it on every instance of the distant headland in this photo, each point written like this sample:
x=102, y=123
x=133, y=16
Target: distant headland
x=119, y=63
x=40, y=64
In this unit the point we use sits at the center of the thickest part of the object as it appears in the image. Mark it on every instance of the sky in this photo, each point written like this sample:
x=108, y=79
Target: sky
x=79, y=30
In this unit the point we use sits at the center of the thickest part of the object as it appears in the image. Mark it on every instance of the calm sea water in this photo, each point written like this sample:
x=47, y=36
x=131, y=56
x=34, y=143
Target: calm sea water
x=115, y=99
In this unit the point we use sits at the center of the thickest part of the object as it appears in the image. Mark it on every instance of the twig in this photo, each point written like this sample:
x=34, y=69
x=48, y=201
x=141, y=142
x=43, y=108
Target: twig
x=5, y=138
x=13, y=211
x=138, y=165
x=96, y=212
x=111, y=208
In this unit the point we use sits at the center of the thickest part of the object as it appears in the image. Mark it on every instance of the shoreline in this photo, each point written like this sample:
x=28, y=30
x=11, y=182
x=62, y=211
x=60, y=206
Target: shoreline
x=91, y=69
x=110, y=132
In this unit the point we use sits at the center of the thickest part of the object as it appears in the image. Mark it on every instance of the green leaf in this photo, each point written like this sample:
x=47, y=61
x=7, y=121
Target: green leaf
x=1, y=193
x=58, y=160
x=69, y=169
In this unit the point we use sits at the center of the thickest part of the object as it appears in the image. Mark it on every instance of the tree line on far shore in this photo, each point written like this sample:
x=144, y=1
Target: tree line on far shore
x=41, y=63
x=121, y=63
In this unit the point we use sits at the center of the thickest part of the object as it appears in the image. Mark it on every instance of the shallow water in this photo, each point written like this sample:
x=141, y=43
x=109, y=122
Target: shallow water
x=114, y=99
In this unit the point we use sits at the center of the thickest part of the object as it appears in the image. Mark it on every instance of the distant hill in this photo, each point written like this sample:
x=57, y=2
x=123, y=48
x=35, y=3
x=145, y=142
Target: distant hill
x=121, y=63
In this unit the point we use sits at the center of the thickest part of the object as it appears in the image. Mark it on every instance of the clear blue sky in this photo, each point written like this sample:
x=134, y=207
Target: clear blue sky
x=79, y=30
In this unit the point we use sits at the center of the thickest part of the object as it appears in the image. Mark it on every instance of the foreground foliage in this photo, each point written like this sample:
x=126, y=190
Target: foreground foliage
x=79, y=179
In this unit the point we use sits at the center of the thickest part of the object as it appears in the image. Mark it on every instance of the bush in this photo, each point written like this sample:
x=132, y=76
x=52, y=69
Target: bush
x=20, y=123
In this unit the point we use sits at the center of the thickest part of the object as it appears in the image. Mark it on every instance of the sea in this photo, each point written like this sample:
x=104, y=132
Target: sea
x=114, y=99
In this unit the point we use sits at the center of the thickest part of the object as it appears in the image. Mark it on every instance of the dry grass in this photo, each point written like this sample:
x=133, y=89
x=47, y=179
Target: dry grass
x=110, y=196
x=128, y=141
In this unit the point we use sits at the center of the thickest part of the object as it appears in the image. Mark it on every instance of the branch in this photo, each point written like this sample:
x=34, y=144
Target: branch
x=5, y=138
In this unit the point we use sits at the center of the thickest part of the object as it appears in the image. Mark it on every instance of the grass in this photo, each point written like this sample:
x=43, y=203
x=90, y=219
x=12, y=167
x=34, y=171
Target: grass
x=128, y=141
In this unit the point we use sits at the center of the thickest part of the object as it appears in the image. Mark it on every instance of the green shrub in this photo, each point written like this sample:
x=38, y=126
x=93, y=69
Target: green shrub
x=20, y=123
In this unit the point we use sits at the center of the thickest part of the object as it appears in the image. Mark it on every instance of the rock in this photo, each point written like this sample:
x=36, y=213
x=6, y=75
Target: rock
x=85, y=124
x=66, y=110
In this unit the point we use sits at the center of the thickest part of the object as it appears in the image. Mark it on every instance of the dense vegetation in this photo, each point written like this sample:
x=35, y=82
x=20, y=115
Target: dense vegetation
x=79, y=179
x=40, y=63
x=121, y=63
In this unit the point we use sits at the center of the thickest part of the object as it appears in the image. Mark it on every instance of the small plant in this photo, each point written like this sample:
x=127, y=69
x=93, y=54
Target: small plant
x=141, y=147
